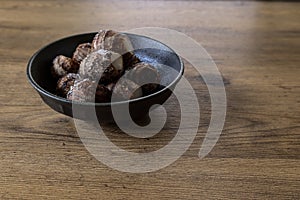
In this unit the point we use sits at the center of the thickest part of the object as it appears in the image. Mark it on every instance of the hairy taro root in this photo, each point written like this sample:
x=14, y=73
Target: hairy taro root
x=86, y=90
x=82, y=90
x=113, y=41
x=116, y=42
x=63, y=65
x=144, y=75
x=81, y=52
x=126, y=89
x=65, y=83
x=107, y=64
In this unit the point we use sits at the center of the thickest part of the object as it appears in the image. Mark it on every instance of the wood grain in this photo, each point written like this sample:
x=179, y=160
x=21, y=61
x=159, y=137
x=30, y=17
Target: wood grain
x=256, y=46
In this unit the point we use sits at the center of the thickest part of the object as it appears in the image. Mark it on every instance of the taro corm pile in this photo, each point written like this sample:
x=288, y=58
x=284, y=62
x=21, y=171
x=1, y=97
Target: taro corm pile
x=104, y=67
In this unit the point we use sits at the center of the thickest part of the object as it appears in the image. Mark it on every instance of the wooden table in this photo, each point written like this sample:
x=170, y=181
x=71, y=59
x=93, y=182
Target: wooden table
x=256, y=46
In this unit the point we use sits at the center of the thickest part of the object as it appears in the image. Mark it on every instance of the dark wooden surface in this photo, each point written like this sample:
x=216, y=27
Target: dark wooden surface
x=256, y=46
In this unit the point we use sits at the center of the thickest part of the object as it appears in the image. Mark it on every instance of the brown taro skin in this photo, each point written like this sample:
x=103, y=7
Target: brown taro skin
x=104, y=63
x=113, y=41
x=116, y=42
x=126, y=89
x=65, y=83
x=82, y=91
x=63, y=65
x=86, y=90
x=81, y=52
x=145, y=75
x=103, y=40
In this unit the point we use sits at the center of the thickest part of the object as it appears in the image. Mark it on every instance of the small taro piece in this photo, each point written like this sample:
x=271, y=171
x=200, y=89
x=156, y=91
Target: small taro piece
x=117, y=42
x=63, y=65
x=82, y=90
x=145, y=75
x=88, y=91
x=113, y=41
x=65, y=83
x=81, y=52
x=107, y=64
x=126, y=89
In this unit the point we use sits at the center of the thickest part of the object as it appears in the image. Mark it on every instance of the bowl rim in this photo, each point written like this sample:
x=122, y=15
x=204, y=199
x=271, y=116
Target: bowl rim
x=65, y=100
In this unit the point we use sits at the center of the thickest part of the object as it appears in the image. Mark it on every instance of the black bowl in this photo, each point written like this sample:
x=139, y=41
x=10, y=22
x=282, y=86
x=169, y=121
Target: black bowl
x=147, y=50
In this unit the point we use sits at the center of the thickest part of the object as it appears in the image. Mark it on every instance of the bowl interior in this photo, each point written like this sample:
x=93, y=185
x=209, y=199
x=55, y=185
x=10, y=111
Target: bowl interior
x=146, y=49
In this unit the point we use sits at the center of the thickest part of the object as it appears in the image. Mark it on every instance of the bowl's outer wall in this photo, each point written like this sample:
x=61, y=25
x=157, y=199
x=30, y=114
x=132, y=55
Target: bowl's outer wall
x=148, y=50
